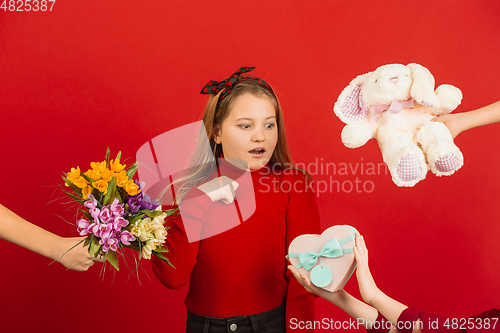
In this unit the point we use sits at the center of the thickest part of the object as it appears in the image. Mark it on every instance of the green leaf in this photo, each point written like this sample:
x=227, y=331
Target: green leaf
x=163, y=258
x=88, y=240
x=87, y=178
x=172, y=211
x=113, y=259
x=95, y=247
x=118, y=156
x=72, y=186
x=131, y=171
x=77, y=198
x=133, y=246
x=124, y=196
x=110, y=196
x=107, y=157
x=161, y=249
x=86, y=214
x=151, y=213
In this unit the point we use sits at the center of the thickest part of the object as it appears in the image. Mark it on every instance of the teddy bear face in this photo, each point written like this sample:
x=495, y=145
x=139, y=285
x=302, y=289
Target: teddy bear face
x=386, y=84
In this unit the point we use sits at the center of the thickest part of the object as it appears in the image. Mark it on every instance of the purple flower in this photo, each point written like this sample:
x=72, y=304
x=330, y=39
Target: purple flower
x=134, y=204
x=91, y=203
x=147, y=203
x=105, y=215
x=83, y=227
x=119, y=223
x=127, y=237
x=109, y=244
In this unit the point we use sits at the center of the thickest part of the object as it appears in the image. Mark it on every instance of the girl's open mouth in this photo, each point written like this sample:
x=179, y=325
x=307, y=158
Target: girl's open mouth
x=257, y=152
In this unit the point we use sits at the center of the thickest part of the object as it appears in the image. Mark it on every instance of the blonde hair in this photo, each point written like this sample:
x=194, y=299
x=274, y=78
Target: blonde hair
x=203, y=163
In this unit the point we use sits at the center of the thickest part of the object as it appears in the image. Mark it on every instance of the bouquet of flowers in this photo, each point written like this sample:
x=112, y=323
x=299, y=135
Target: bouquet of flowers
x=116, y=213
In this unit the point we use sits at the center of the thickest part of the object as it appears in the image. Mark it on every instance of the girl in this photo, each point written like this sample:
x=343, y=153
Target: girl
x=382, y=314
x=244, y=123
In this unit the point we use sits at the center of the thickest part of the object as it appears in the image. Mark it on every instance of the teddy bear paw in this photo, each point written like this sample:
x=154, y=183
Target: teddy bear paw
x=449, y=97
x=409, y=168
x=446, y=164
x=431, y=101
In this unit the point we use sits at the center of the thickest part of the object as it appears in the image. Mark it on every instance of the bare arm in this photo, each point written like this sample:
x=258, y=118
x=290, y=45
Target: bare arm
x=351, y=305
x=17, y=230
x=459, y=122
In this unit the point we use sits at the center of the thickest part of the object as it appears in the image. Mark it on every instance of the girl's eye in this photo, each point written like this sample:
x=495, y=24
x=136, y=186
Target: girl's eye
x=269, y=126
x=244, y=126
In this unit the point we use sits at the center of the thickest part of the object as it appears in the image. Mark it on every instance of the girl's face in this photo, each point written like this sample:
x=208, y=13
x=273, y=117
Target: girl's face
x=250, y=131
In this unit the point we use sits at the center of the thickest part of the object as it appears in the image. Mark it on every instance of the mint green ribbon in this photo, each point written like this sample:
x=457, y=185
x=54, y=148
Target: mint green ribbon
x=332, y=249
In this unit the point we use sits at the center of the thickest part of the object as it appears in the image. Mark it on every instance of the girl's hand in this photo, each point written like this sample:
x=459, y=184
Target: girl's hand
x=220, y=189
x=308, y=285
x=454, y=122
x=78, y=258
x=367, y=287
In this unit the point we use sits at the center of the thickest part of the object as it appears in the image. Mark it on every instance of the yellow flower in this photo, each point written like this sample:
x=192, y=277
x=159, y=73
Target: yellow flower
x=86, y=191
x=99, y=167
x=80, y=182
x=107, y=174
x=101, y=186
x=132, y=188
x=95, y=175
x=115, y=166
x=74, y=174
x=121, y=178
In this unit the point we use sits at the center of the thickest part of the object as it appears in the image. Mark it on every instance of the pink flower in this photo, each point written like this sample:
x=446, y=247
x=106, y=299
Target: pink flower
x=94, y=228
x=120, y=222
x=126, y=238
x=105, y=215
x=116, y=208
x=83, y=227
x=105, y=230
x=95, y=212
x=91, y=203
x=109, y=244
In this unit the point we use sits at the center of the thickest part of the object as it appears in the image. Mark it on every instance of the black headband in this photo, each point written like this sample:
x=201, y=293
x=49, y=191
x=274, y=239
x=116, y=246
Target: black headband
x=213, y=87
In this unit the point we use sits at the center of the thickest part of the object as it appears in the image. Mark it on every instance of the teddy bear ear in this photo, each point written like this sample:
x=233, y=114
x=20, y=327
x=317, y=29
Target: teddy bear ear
x=350, y=106
x=422, y=89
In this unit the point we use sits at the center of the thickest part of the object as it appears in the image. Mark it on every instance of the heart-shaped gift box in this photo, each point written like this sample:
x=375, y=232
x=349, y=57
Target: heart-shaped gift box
x=326, y=259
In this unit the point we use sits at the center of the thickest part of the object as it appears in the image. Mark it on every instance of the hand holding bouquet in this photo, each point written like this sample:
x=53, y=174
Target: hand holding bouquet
x=117, y=213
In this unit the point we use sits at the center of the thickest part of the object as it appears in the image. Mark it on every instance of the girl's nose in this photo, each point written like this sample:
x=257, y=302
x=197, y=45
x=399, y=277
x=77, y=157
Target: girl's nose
x=258, y=136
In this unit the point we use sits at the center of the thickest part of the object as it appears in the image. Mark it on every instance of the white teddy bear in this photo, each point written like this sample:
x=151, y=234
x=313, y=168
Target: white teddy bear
x=395, y=105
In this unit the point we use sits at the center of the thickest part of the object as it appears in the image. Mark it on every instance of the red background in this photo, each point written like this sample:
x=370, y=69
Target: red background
x=92, y=74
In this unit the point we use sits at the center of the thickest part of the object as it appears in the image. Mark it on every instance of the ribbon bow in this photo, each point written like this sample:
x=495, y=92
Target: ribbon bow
x=332, y=249
x=395, y=107
x=213, y=87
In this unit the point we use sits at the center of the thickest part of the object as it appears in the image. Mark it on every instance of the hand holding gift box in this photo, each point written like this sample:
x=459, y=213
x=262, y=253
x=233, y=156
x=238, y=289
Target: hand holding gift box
x=326, y=259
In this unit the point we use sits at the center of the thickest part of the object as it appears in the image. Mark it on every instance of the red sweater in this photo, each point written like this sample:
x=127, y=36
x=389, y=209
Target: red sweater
x=243, y=270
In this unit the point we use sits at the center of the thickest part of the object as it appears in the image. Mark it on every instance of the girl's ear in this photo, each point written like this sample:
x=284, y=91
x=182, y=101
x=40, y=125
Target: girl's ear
x=215, y=135
x=350, y=107
x=422, y=89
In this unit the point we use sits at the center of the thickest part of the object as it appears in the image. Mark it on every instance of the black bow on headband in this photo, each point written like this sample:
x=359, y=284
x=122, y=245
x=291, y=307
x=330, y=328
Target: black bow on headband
x=213, y=87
